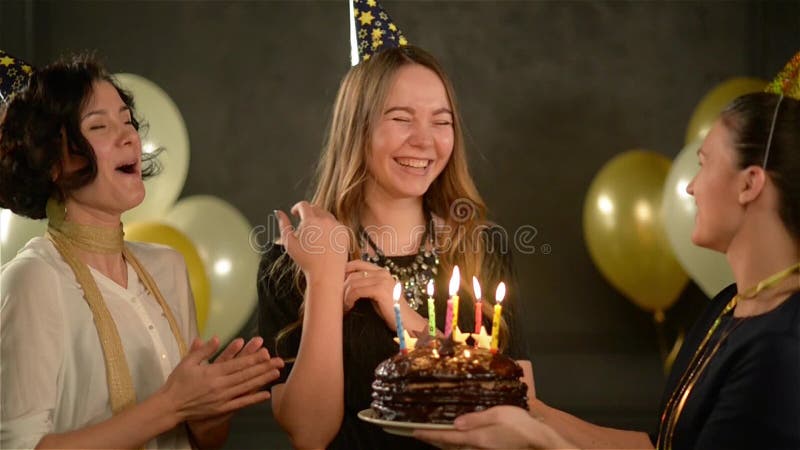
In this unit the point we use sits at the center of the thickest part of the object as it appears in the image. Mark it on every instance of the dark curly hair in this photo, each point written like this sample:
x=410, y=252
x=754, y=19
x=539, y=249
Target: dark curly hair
x=39, y=122
x=749, y=119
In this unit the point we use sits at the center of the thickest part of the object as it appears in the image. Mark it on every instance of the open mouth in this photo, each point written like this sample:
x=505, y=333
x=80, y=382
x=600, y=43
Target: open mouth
x=127, y=168
x=413, y=163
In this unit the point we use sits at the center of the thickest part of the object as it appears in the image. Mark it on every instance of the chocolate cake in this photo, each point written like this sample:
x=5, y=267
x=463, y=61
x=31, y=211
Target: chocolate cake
x=441, y=379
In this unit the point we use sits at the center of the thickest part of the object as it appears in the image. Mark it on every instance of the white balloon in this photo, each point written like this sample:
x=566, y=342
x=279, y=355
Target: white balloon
x=221, y=235
x=709, y=269
x=165, y=128
x=15, y=232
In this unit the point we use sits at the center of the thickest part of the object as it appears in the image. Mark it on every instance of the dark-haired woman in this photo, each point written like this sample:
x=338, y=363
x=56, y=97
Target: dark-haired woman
x=99, y=336
x=736, y=381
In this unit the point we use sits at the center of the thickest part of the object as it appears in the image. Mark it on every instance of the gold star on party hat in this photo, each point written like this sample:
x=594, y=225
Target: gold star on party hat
x=788, y=80
x=371, y=30
x=14, y=75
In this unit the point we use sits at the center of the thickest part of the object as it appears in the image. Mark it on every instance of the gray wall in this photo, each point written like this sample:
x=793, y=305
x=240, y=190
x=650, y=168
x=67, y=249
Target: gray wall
x=549, y=92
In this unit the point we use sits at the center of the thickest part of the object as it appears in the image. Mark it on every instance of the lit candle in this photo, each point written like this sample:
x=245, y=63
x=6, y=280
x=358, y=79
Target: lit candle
x=498, y=309
x=400, y=336
x=431, y=311
x=448, y=318
x=451, y=321
x=478, y=315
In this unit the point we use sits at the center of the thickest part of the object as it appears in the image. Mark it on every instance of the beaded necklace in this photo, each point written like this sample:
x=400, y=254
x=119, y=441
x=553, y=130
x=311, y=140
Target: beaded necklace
x=703, y=356
x=415, y=276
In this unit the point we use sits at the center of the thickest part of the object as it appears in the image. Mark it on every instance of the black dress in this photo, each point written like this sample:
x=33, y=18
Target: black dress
x=749, y=395
x=367, y=341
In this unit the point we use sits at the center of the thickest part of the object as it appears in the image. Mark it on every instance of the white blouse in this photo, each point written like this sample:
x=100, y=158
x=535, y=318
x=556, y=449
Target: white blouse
x=53, y=375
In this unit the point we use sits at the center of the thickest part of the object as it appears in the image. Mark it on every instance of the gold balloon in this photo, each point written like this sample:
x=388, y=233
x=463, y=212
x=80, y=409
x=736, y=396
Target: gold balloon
x=160, y=233
x=709, y=107
x=624, y=231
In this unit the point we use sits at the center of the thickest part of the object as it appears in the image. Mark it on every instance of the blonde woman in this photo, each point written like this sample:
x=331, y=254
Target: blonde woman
x=393, y=200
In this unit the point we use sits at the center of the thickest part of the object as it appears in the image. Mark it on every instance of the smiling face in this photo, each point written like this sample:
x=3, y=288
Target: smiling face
x=716, y=191
x=412, y=139
x=105, y=122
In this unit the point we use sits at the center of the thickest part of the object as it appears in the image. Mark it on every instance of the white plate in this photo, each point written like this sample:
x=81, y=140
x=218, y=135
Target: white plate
x=400, y=428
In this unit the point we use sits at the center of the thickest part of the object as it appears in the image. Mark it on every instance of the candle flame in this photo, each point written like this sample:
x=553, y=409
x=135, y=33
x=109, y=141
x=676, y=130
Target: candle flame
x=398, y=289
x=467, y=353
x=454, y=281
x=430, y=288
x=501, y=292
x=477, y=288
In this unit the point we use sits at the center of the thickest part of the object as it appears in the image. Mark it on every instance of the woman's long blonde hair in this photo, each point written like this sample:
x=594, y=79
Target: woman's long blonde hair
x=342, y=172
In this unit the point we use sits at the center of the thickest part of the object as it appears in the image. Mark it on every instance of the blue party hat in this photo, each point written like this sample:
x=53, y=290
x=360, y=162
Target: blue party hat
x=14, y=75
x=371, y=30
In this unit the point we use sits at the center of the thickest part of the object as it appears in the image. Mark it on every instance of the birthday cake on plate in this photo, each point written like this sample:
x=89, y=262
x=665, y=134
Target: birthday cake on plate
x=437, y=380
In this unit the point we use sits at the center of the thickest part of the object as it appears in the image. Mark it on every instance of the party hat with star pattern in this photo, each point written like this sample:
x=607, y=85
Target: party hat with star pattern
x=371, y=30
x=788, y=80
x=14, y=75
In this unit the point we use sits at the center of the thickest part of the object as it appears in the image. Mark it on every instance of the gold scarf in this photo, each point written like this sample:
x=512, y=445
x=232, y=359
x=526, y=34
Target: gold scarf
x=68, y=235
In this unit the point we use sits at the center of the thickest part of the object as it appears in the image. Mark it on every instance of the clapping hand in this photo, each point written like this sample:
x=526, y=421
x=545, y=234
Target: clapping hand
x=236, y=349
x=198, y=390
